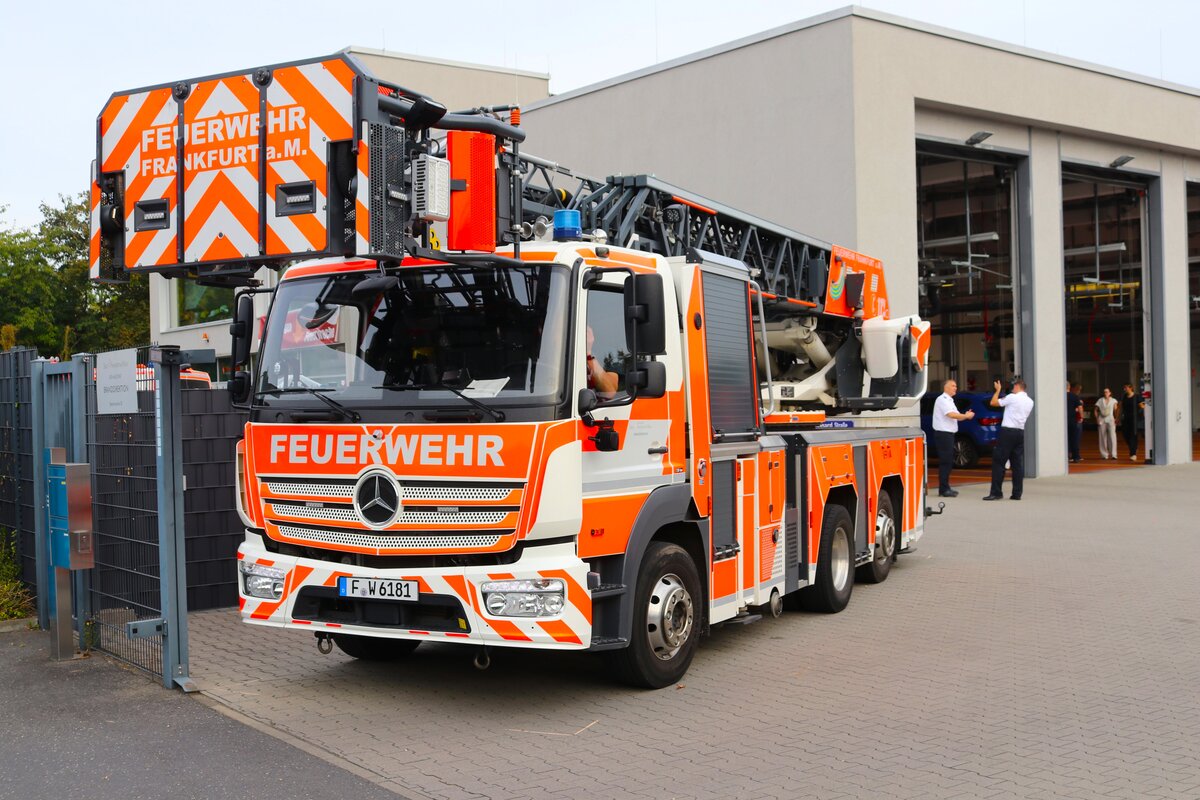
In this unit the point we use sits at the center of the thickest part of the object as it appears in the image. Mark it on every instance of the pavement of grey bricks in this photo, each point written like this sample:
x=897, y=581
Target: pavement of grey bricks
x=1036, y=649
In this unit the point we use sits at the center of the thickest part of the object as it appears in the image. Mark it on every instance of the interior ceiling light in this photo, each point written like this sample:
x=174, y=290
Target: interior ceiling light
x=1091, y=249
x=974, y=238
x=1120, y=161
x=977, y=137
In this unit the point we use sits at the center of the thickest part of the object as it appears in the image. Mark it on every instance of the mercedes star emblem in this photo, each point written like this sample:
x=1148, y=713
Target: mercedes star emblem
x=377, y=499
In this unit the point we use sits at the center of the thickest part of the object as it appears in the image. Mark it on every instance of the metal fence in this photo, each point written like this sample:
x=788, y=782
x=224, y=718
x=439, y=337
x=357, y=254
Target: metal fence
x=50, y=404
x=125, y=583
x=16, y=457
x=210, y=429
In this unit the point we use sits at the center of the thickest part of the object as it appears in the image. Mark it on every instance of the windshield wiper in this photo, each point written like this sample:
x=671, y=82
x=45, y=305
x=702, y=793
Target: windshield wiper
x=495, y=413
x=347, y=413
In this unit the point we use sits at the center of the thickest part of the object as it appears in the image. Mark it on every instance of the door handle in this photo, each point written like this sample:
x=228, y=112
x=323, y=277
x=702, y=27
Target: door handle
x=657, y=451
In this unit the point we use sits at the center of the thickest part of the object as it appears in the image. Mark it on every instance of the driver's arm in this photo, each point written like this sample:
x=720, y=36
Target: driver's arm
x=603, y=381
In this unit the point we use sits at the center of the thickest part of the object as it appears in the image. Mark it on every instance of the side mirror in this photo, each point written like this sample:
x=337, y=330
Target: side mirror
x=241, y=330
x=647, y=379
x=645, y=321
x=587, y=400
x=239, y=387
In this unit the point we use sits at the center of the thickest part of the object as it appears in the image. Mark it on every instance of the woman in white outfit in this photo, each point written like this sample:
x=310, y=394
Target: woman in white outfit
x=1107, y=424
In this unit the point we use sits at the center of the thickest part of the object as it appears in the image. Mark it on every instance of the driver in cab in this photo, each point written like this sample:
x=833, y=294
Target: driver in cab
x=600, y=380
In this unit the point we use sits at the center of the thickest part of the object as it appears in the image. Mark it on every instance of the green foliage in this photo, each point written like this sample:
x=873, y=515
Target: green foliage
x=48, y=298
x=15, y=600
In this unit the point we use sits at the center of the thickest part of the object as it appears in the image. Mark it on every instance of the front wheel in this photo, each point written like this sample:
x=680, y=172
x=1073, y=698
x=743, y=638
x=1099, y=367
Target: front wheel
x=666, y=619
x=370, y=648
x=885, y=543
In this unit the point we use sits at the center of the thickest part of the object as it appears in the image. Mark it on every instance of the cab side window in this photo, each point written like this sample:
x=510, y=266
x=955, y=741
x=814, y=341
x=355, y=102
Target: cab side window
x=607, y=360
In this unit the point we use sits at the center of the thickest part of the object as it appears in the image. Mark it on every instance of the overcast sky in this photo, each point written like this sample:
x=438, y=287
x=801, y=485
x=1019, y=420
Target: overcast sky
x=59, y=61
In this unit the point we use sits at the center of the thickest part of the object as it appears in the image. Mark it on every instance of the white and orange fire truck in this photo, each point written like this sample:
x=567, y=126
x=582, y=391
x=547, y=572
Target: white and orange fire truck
x=502, y=405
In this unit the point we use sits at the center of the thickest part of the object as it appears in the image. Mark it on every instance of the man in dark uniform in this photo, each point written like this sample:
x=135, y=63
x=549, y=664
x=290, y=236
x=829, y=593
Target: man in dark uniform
x=1074, y=422
x=1010, y=446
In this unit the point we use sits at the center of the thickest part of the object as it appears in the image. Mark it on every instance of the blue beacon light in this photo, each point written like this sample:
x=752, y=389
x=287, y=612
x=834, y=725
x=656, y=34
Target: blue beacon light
x=567, y=226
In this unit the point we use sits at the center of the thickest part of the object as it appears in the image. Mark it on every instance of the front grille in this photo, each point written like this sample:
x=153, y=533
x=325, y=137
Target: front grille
x=427, y=518
x=297, y=511
x=314, y=489
x=408, y=491
x=454, y=494
x=388, y=541
x=430, y=612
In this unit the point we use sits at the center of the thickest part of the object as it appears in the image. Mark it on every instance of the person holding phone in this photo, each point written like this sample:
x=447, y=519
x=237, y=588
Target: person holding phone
x=1010, y=445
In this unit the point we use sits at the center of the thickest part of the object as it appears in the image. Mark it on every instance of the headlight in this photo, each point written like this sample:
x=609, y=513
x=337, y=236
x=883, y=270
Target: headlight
x=260, y=581
x=524, y=598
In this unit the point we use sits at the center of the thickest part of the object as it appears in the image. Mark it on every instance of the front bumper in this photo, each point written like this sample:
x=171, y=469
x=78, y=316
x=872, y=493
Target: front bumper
x=450, y=607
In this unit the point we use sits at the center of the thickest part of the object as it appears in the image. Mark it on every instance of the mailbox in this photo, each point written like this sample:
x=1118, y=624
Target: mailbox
x=69, y=500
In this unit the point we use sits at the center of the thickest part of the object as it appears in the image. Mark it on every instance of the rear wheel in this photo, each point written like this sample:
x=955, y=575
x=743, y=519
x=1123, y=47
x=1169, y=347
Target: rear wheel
x=666, y=619
x=835, y=564
x=370, y=648
x=885, y=543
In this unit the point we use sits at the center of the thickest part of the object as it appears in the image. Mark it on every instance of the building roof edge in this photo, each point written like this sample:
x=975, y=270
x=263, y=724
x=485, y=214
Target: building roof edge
x=370, y=51
x=875, y=16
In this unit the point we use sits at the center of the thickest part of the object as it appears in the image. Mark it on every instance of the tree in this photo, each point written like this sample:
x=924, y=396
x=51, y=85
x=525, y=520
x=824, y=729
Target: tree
x=47, y=295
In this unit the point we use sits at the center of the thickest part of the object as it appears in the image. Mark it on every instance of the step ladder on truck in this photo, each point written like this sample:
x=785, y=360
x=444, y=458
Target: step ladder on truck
x=498, y=404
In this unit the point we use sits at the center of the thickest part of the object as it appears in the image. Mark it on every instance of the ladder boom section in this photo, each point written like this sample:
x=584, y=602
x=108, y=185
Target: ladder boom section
x=643, y=212
x=826, y=330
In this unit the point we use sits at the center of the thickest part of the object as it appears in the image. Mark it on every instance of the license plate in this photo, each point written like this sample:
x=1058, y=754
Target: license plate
x=377, y=589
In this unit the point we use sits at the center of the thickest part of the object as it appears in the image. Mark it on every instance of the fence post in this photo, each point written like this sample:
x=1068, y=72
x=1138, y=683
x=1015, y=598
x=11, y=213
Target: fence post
x=168, y=433
x=81, y=376
x=41, y=553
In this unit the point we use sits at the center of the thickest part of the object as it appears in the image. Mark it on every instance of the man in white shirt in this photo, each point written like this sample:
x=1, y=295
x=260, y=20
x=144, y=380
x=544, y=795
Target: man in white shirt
x=945, y=428
x=1010, y=445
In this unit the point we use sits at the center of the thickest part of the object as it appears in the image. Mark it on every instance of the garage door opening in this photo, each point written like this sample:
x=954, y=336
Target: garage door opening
x=966, y=257
x=1105, y=255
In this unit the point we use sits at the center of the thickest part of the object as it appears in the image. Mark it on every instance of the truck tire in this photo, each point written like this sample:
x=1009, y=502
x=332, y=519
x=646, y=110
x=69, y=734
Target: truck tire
x=886, y=536
x=835, y=564
x=371, y=648
x=667, y=615
x=966, y=454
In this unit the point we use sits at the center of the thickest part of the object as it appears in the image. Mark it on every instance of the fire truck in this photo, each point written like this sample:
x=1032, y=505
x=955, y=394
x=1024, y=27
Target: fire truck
x=499, y=404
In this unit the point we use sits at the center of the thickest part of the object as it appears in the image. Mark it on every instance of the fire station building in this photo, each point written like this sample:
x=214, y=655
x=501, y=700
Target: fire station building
x=1043, y=213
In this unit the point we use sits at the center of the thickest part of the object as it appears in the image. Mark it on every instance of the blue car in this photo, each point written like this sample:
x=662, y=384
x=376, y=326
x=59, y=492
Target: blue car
x=976, y=437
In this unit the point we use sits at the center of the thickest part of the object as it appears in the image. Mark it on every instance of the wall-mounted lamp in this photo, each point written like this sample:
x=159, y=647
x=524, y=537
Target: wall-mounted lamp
x=977, y=137
x=1120, y=161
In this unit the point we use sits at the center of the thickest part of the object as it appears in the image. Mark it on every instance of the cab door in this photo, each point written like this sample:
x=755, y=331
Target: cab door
x=650, y=449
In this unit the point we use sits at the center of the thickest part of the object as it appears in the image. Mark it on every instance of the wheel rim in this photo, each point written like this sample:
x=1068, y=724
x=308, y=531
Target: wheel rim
x=839, y=561
x=961, y=456
x=885, y=536
x=669, y=617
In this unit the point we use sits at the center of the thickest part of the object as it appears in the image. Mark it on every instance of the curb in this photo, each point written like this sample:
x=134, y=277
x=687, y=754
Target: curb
x=13, y=625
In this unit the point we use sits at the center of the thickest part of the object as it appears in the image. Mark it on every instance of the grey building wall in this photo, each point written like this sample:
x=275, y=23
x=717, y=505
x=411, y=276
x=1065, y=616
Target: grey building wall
x=456, y=85
x=765, y=126
x=814, y=125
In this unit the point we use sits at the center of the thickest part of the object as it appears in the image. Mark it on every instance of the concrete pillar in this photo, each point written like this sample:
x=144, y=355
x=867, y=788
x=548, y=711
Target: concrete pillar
x=1169, y=314
x=1043, y=317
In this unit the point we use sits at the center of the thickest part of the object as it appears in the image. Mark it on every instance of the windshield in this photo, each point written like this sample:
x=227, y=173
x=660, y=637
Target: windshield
x=494, y=334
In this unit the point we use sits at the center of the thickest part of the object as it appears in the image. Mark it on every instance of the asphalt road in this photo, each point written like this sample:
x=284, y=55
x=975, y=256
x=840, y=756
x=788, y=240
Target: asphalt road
x=92, y=729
